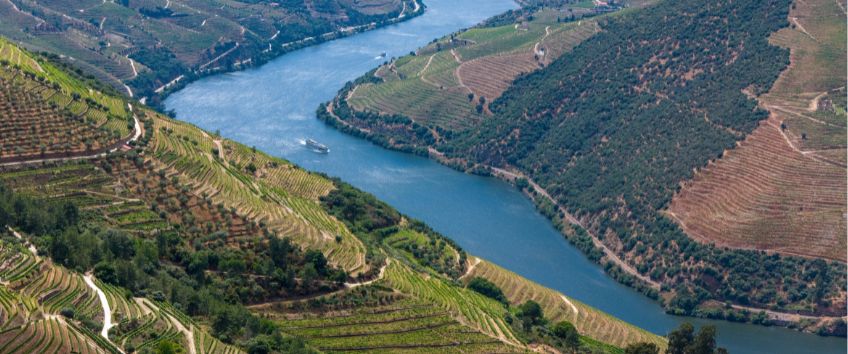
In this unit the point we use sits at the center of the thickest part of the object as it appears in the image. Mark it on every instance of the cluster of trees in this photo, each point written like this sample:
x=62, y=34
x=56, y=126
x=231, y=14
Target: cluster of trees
x=213, y=282
x=321, y=21
x=487, y=288
x=611, y=129
x=391, y=131
x=373, y=221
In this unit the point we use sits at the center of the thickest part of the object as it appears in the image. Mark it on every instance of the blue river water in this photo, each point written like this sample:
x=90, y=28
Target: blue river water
x=273, y=108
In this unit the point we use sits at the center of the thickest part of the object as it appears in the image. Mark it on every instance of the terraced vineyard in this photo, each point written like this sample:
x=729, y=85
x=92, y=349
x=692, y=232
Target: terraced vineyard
x=138, y=47
x=475, y=310
x=445, y=82
x=557, y=307
x=283, y=197
x=49, y=335
x=401, y=325
x=33, y=291
x=46, y=115
x=43, y=287
x=181, y=209
x=783, y=188
x=490, y=75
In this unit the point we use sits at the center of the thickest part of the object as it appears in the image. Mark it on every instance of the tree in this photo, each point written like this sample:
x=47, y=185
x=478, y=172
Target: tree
x=106, y=272
x=642, y=348
x=487, y=288
x=566, y=332
x=684, y=341
x=318, y=260
x=704, y=342
x=680, y=338
x=168, y=347
x=530, y=313
x=521, y=183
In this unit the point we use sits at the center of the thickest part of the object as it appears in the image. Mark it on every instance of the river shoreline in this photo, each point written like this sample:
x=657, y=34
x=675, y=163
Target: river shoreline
x=572, y=230
x=161, y=94
x=273, y=108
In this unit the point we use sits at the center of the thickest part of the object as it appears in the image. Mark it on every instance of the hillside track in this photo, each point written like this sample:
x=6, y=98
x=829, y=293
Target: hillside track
x=783, y=188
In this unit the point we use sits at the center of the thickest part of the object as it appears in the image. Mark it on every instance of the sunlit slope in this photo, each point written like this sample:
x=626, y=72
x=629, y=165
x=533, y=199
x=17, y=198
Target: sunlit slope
x=47, y=112
x=445, y=81
x=46, y=308
x=783, y=188
x=558, y=307
x=266, y=189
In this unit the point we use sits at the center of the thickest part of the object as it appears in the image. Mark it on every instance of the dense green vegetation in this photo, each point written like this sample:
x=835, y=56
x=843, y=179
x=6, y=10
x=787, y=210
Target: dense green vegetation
x=612, y=128
x=210, y=282
x=379, y=225
x=643, y=106
x=485, y=287
x=146, y=44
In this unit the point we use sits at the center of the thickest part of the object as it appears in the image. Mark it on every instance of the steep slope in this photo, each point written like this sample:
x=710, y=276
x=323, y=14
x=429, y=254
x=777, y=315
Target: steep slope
x=141, y=47
x=603, y=137
x=783, y=188
x=612, y=130
x=199, y=242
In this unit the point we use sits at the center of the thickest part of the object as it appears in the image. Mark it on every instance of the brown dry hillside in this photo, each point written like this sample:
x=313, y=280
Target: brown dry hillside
x=784, y=188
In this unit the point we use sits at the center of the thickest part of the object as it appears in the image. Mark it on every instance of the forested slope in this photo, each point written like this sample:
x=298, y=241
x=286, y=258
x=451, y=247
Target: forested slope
x=140, y=46
x=612, y=129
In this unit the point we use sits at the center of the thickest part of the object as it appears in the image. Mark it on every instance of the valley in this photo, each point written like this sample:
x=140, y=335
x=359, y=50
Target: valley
x=180, y=239
x=250, y=226
x=482, y=215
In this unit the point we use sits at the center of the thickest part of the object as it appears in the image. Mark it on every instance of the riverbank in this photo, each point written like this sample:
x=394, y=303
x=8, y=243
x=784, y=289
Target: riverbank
x=272, y=107
x=581, y=237
x=159, y=95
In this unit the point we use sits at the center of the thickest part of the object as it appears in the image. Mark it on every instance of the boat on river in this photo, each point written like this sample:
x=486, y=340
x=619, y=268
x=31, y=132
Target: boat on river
x=317, y=147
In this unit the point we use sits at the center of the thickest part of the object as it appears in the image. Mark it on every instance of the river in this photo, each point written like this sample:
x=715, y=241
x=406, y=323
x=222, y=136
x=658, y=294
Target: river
x=273, y=108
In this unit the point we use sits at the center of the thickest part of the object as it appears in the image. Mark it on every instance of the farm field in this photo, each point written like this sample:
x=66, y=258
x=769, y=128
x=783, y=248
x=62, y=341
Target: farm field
x=398, y=324
x=449, y=83
x=589, y=321
x=283, y=197
x=171, y=240
x=783, y=188
x=138, y=47
x=45, y=115
x=673, y=182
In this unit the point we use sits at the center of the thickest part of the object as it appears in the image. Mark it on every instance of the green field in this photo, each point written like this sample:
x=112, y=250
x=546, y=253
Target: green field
x=445, y=82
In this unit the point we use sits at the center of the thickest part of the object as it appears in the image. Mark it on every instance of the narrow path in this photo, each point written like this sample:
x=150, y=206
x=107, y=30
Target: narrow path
x=132, y=65
x=379, y=277
x=222, y=54
x=567, y=301
x=610, y=254
x=632, y=271
x=347, y=286
x=220, y=147
x=107, y=311
x=471, y=268
x=814, y=103
x=421, y=73
x=169, y=84
x=188, y=333
x=30, y=246
x=136, y=134
x=801, y=28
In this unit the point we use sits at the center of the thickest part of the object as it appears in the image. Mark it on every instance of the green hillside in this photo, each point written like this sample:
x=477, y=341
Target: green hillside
x=139, y=46
x=180, y=239
x=602, y=138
